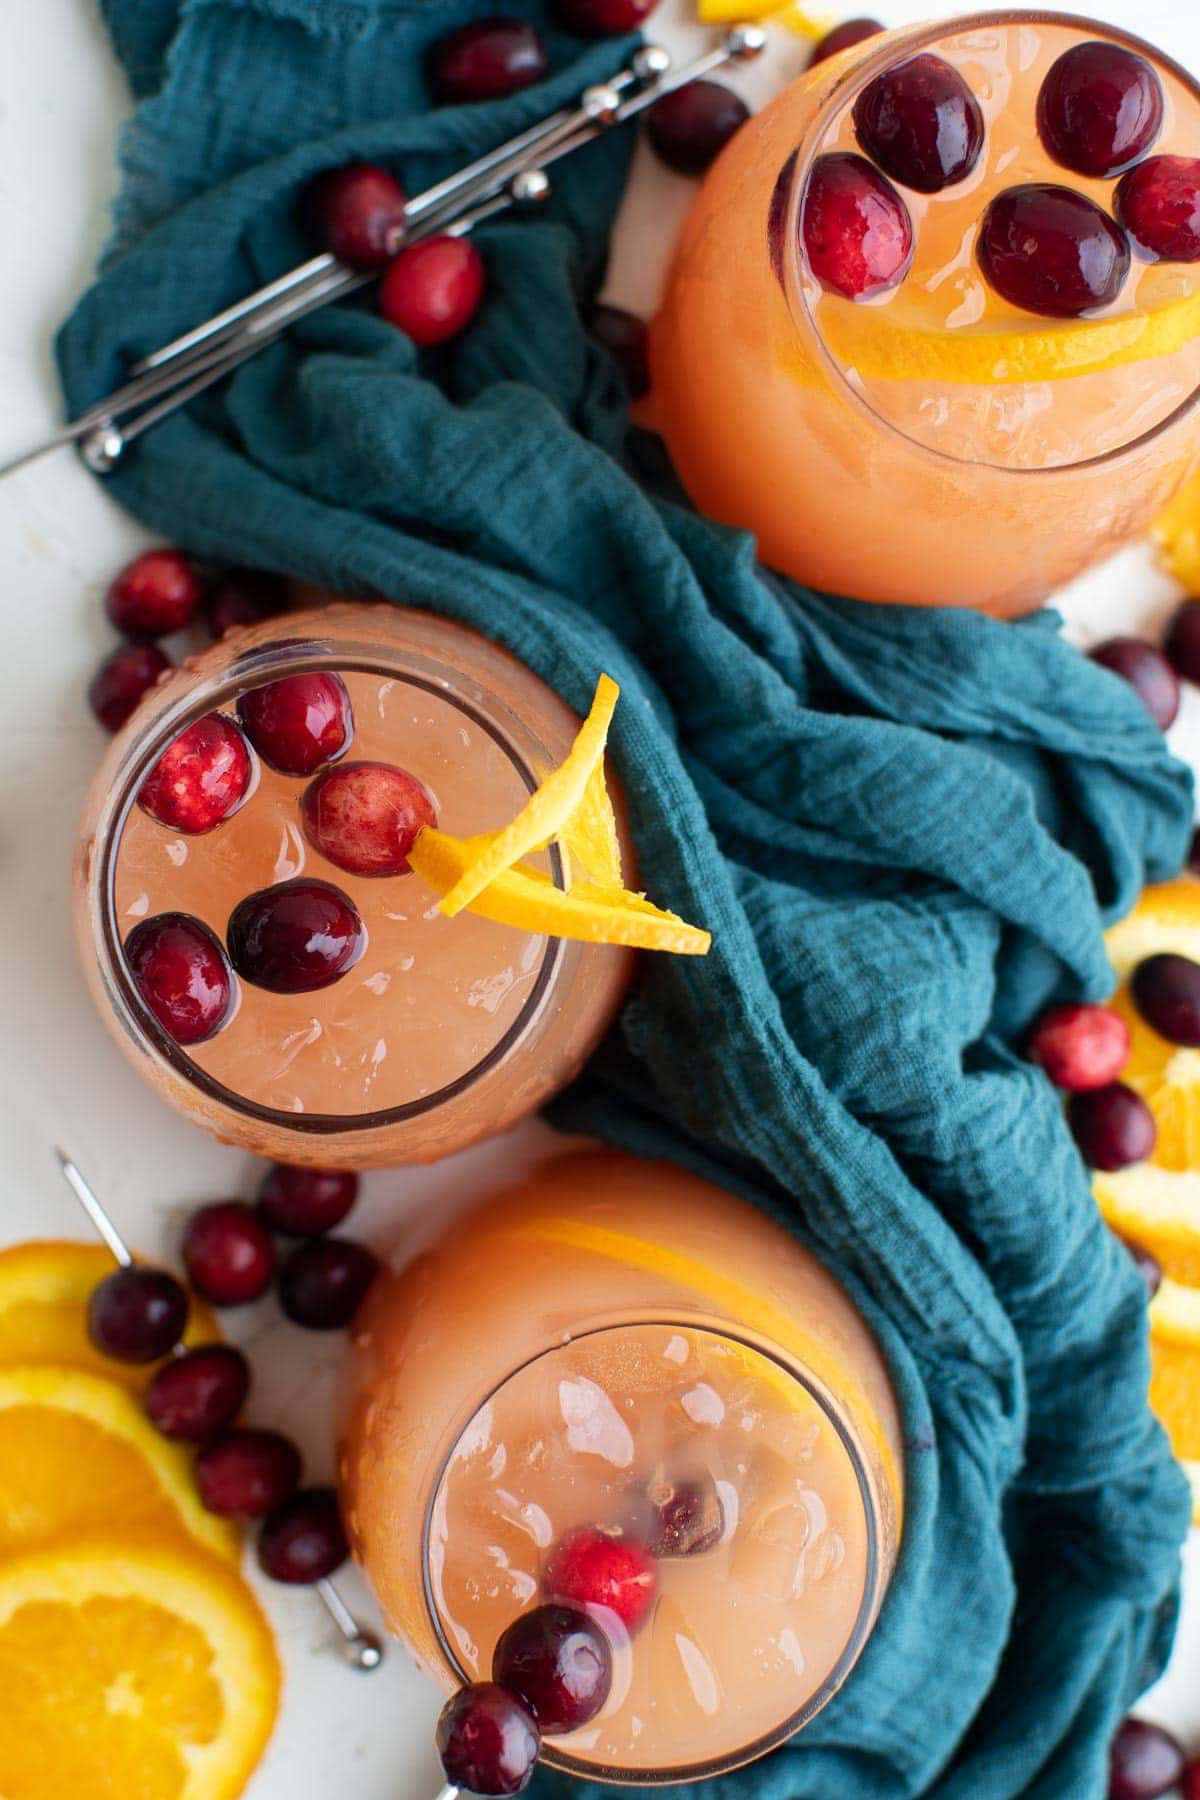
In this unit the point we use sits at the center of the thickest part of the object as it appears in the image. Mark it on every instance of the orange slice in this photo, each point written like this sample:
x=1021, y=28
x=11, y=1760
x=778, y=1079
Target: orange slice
x=131, y=1674
x=589, y=836
x=1166, y=917
x=1167, y=1076
x=1158, y=1209
x=1175, y=1314
x=795, y=18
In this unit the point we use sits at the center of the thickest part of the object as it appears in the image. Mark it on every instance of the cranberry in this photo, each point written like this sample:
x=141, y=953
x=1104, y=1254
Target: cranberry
x=246, y=1474
x=488, y=1741
x=921, y=123
x=624, y=336
x=1193, y=861
x=295, y=937
x=487, y=59
x=1166, y=991
x=1100, y=109
x=1147, y=1266
x=243, y=597
x=200, y=779
x=1189, y=1787
x=1080, y=1047
x=433, y=289
x=559, y=1661
x=158, y=593
x=324, y=1281
x=298, y=722
x=137, y=1315
x=365, y=817
x=1159, y=205
x=305, y=1202
x=1112, y=1125
x=843, y=37
x=688, y=1518
x=1182, y=641
x=303, y=1540
x=1147, y=671
x=856, y=228
x=194, y=1396
x=689, y=127
x=1145, y=1761
x=1050, y=250
x=603, y=18
x=122, y=679
x=182, y=974
x=603, y=1568
x=359, y=213
x=228, y=1253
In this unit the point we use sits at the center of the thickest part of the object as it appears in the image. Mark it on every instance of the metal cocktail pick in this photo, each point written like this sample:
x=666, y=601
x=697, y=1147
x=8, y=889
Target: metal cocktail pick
x=361, y=1649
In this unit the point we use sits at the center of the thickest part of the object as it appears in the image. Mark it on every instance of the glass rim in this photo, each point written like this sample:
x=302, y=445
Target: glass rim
x=907, y=41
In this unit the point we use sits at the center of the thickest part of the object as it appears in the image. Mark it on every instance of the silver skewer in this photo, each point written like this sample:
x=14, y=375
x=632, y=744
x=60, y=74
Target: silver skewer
x=361, y=1649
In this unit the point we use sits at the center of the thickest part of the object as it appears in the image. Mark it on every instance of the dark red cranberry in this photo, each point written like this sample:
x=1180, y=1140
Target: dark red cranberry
x=856, y=229
x=182, y=974
x=122, y=679
x=843, y=37
x=1147, y=1266
x=687, y=1518
x=1052, y=251
x=921, y=123
x=305, y=1202
x=1113, y=1127
x=433, y=289
x=1159, y=205
x=1145, y=1761
x=295, y=937
x=559, y=1661
x=359, y=212
x=488, y=1741
x=244, y=597
x=299, y=722
x=303, y=1540
x=624, y=336
x=200, y=779
x=137, y=1315
x=1100, y=109
x=1080, y=1047
x=603, y=18
x=1193, y=860
x=1189, y=1787
x=194, y=1396
x=365, y=816
x=228, y=1253
x=603, y=1568
x=1166, y=991
x=486, y=59
x=1148, y=673
x=1182, y=640
x=246, y=1474
x=324, y=1281
x=689, y=127
x=158, y=593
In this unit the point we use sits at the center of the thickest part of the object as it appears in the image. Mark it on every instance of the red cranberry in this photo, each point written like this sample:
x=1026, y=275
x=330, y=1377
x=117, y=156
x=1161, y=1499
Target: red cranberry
x=488, y=1741
x=687, y=1518
x=303, y=1540
x=1147, y=1266
x=194, y=1396
x=1159, y=205
x=200, y=779
x=1052, y=251
x=182, y=974
x=359, y=213
x=1189, y=1787
x=137, y=1315
x=158, y=593
x=624, y=336
x=603, y=1568
x=305, y=1202
x=1166, y=991
x=856, y=229
x=921, y=123
x=1147, y=671
x=1113, y=1126
x=1080, y=1047
x=603, y=18
x=299, y=722
x=1145, y=1761
x=295, y=937
x=487, y=59
x=1193, y=861
x=246, y=1474
x=324, y=1281
x=122, y=679
x=689, y=127
x=844, y=37
x=228, y=1253
x=1182, y=641
x=244, y=597
x=433, y=289
x=1100, y=109
x=365, y=816
x=559, y=1661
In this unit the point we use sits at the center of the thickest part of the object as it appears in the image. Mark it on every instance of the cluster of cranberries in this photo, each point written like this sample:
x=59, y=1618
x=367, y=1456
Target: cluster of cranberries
x=1146, y=1762
x=1155, y=674
x=1044, y=247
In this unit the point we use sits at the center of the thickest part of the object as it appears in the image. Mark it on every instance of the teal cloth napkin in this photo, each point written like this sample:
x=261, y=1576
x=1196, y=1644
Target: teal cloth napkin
x=904, y=828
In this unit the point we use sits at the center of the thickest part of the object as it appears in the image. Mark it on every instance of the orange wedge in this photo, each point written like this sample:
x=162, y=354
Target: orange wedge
x=589, y=836
x=1175, y=1314
x=795, y=18
x=1158, y=1209
x=131, y=1674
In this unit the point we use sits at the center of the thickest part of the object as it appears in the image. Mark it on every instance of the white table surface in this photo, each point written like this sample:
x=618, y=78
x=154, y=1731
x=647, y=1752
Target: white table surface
x=62, y=100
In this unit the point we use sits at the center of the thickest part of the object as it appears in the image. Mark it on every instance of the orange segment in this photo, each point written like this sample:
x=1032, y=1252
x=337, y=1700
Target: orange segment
x=1175, y=1314
x=1167, y=917
x=589, y=836
x=1158, y=1209
x=131, y=1674
x=795, y=18
x=1175, y=1395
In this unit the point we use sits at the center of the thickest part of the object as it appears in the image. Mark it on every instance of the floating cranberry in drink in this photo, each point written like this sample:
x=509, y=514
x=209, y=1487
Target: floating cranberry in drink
x=856, y=229
x=1159, y=205
x=200, y=779
x=844, y=37
x=624, y=336
x=196, y=1395
x=122, y=679
x=433, y=289
x=687, y=1517
x=158, y=593
x=559, y=1661
x=921, y=123
x=364, y=817
x=247, y=1473
x=359, y=213
x=487, y=59
x=305, y=1202
x=1080, y=1047
x=295, y=937
x=240, y=597
x=1145, y=1762
x=228, y=1253
x=137, y=1315
x=488, y=1740
x=603, y=18
x=689, y=127
x=1148, y=673
x=1166, y=991
x=595, y=1567
x=1100, y=109
x=1051, y=250
x=324, y=1281
x=299, y=723
x=304, y=1539
x=1113, y=1127
x=182, y=975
